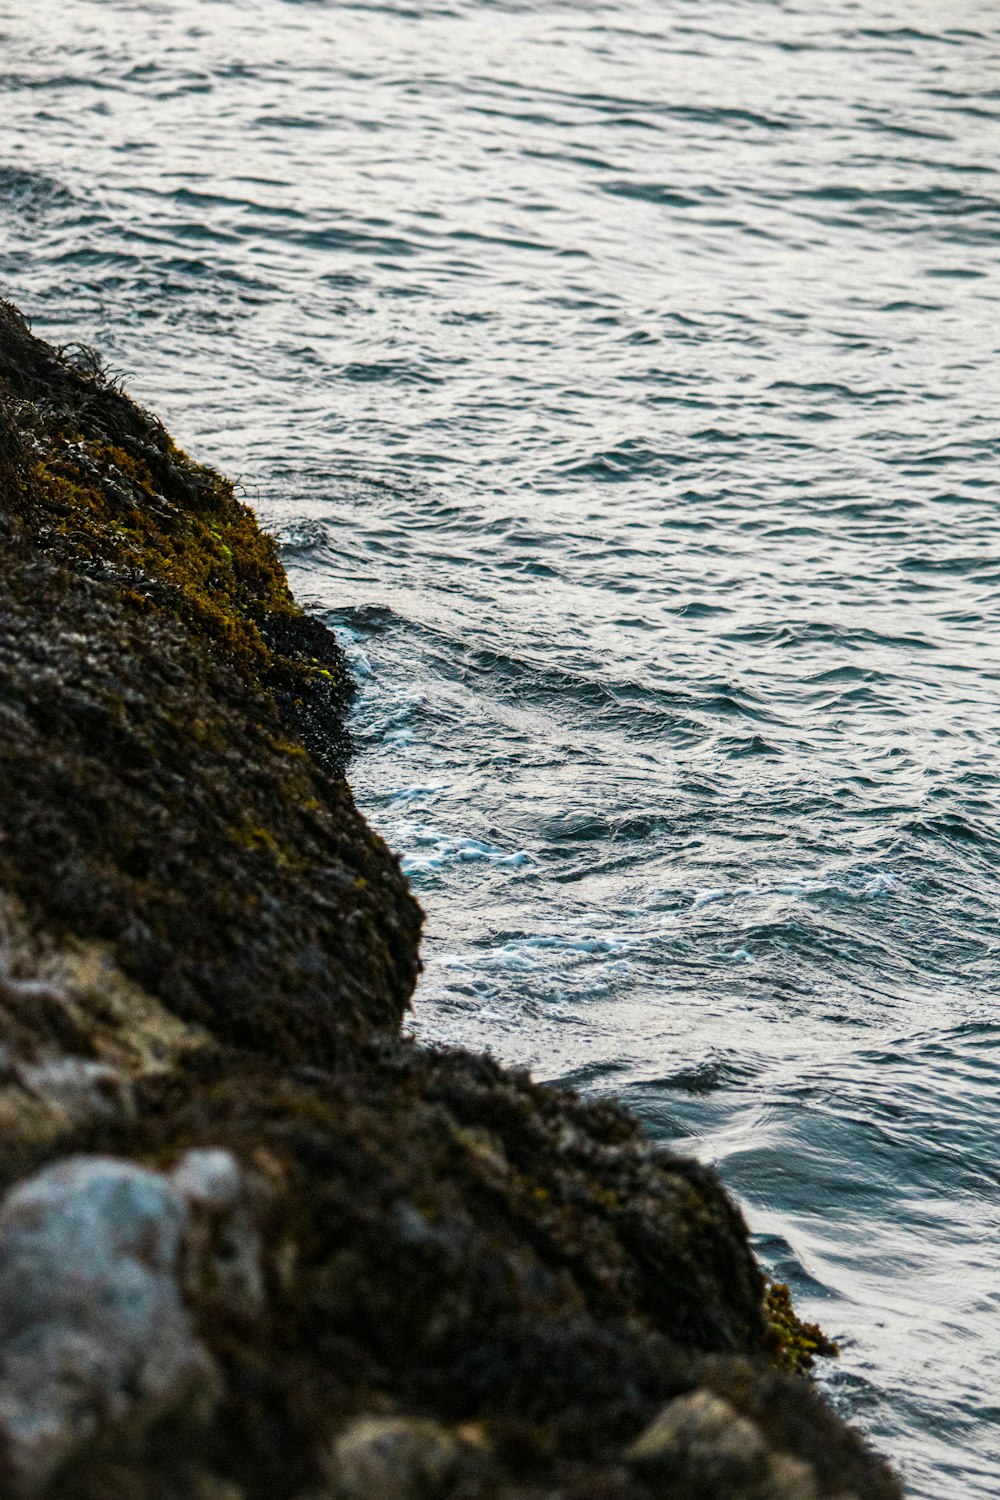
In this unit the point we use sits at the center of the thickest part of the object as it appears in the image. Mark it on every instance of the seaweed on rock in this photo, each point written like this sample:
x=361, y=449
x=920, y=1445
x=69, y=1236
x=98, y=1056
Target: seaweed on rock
x=381, y=1270
x=173, y=734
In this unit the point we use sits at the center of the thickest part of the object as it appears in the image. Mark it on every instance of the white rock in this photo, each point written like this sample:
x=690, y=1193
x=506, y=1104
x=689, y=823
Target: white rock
x=95, y=1257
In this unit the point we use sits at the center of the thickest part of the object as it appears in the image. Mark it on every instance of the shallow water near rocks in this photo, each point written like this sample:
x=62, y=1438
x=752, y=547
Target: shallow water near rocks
x=621, y=381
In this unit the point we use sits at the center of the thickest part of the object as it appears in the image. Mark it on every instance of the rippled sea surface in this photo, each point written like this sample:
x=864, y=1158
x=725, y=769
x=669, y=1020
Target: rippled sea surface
x=622, y=382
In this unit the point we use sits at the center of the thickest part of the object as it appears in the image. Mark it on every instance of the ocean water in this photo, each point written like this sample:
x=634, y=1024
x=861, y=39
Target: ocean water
x=621, y=381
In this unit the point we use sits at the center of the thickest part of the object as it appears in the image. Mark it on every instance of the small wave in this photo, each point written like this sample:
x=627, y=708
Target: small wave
x=31, y=194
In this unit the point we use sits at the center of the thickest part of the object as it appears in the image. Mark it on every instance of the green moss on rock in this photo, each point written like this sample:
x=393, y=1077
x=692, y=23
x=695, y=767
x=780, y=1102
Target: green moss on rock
x=172, y=731
x=794, y=1345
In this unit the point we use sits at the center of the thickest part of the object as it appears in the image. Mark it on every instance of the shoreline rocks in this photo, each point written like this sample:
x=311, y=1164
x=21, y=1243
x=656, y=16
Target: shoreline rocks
x=261, y=1246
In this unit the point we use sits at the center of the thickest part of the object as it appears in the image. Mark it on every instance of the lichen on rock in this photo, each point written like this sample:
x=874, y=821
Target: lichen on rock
x=254, y=1244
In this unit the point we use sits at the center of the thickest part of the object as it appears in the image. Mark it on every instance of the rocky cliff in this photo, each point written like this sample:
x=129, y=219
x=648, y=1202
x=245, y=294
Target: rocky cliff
x=253, y=1243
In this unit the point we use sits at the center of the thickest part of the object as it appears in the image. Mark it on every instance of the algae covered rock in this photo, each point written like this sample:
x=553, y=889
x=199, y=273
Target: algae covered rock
x=172, y=732
x=254, y=1245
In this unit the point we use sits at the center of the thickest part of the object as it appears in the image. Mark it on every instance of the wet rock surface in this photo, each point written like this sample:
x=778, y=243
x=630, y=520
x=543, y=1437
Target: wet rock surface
x=252, y=1242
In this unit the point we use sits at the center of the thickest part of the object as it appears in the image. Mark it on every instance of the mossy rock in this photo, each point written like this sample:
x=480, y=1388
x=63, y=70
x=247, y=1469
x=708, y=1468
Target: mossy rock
x=172, y=731
x=202, y=944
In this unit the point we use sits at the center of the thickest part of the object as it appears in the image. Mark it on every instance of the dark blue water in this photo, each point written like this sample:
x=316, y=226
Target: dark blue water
x=622, y=382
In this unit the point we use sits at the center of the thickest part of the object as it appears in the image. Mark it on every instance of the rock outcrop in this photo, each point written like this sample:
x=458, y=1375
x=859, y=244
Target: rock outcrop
x=252, y=1242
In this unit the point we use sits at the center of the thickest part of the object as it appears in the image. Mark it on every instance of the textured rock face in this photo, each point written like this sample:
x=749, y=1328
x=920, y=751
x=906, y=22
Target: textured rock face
x=97, y=1257
x=171, y=731
x=252, y=1243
